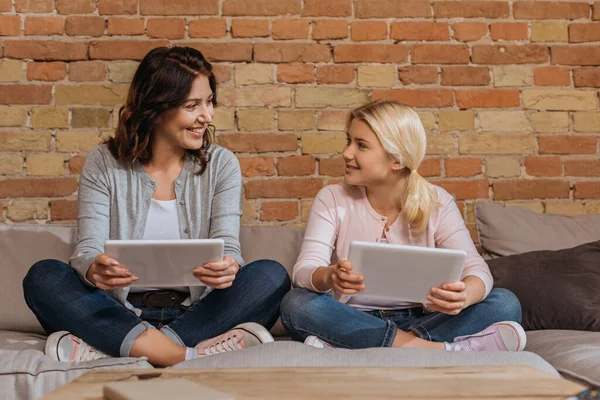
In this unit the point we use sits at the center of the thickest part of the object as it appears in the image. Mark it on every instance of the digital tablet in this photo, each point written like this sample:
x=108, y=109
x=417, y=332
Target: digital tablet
x=404, y=273
x=165, y=263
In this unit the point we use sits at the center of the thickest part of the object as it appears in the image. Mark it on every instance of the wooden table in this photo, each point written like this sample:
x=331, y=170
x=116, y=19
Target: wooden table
x=482, y=382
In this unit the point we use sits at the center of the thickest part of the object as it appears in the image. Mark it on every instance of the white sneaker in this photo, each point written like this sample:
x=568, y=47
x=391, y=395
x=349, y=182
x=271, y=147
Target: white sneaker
x=316, y=342
x=62, y=346
x=242, y=336
x=501, y=336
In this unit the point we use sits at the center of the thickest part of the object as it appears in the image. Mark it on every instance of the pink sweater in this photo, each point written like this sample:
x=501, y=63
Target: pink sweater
x=342, y=213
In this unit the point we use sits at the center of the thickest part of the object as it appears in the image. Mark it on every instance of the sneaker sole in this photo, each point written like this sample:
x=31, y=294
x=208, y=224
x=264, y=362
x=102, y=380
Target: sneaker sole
x=256, y=330
x=517, y=330
x=51, y=348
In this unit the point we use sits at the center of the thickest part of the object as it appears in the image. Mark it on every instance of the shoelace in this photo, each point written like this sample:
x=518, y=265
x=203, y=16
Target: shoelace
x=484, y=339
x=229, y=344
x=85, y=352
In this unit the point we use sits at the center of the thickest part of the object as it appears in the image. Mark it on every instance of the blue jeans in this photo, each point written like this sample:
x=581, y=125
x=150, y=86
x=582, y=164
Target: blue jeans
x=305, y=313
x=62, y=301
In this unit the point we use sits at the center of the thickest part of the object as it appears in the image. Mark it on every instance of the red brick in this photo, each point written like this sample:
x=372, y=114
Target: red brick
x=587, y=190
x=281, y=188
x=596, y=13
x=44, y=26
x=473, y=232
x=410, y=75
x=329, y=8
x=392, y=9
x=296, y=73
x=114, y=7
x=440, y=54
x=550, y=10
x=564, y=144
x=463, y=166
x=259, y=142
x=543, y=166
x=369, y=30
x=87, y=71
x=296, y=166
x=5, y=5
x=329, y=29
x=291, y=52
x=430, y=167
x=223, y=73
x=10, y=25
x=420, y=31
x=63, y=210
x=285, y=29
x=469, y=31
x=417, y=97
x=377, y=53
x=123, y=49
x=33, y=6
x=576, y=55
x=168, y=28
x=25, y=94
x=582, y=168
x=278, y=210
x=509, y=31
x=586, y=77
x=530, y=189
x=50, y=71
x=465, y=76
x=463, y=190
x=335, y=74
x=52, y=187
x=208, y=28
x=223, y=51
x=261, y=7
x=179, y=7
x=76, y=164
x=75, y=6
x=488, y=98
x=126, y=26
x=241, y=28
x=85, y=26
x=332, y=166
x=551, y=76
x=509, y=54
x=584, y=32
x=470, y=9
x=257, y=166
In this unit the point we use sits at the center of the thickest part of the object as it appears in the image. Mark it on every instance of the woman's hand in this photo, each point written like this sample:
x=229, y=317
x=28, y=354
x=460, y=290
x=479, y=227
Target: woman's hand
x=107, y=274
x=218, y=274
x=344, y=280
x=451, y=299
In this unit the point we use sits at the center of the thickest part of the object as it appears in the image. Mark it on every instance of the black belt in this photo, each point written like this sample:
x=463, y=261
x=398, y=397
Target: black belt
x=158, y=298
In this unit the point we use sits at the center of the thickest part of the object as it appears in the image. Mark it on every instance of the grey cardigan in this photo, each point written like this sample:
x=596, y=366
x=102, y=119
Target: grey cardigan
x=114, y=198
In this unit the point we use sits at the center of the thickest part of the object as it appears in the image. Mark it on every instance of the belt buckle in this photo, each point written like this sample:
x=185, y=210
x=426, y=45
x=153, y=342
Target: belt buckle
x=158, y=299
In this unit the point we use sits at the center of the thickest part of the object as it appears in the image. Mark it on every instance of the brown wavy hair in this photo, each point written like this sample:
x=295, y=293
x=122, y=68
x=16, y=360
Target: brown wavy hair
x=162, y=82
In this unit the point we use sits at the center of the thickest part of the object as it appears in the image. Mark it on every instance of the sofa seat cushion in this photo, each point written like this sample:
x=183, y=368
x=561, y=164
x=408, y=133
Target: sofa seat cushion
x=295, y=354
x=573, y=353
x=26, y=372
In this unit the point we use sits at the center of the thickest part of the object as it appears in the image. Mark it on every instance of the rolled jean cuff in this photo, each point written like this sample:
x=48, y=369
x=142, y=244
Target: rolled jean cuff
x=420, y=331
x=132, y=335
x=170, y=333
x=390, y=334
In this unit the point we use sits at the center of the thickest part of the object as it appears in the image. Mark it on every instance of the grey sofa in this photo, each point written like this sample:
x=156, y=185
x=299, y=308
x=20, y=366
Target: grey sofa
x=26, y=373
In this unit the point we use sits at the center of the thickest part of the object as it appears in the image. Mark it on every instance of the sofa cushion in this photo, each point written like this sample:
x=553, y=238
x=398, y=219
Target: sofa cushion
x=295, y=354
x=26, y=373
x=572, y=353
x=279, y=243
x=504, y=231
x=557, y=289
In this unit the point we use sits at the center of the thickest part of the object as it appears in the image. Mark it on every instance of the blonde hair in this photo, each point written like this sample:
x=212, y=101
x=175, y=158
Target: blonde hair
x=401, y=133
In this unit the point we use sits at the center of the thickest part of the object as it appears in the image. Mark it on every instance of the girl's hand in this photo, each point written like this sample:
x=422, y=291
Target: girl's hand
x=107, y=274
x=344, y=281
x=451, y=299
x=218, y=274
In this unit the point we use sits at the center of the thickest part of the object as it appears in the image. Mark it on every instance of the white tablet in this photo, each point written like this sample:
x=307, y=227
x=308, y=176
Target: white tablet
x=165, y=263
x=404, y=273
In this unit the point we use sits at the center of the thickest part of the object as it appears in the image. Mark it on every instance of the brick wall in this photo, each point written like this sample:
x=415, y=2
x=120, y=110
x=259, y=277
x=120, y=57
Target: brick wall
x=508, y=91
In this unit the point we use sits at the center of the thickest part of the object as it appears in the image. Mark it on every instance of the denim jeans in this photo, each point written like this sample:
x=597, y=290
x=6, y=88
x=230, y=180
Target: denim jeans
x=62, y=301
x=305, y=313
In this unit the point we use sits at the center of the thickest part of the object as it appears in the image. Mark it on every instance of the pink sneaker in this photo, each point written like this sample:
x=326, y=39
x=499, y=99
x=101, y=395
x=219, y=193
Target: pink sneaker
x=501, y=336
x=241, y=337
x=62, y=346
x=316, y=342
